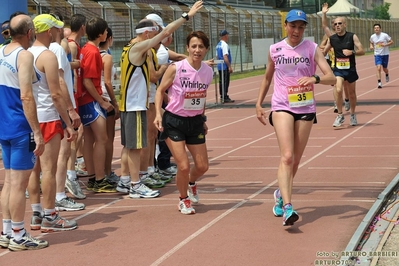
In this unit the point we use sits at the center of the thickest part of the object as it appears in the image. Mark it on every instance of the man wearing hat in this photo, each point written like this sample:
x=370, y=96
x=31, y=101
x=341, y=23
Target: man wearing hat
x=50, y=106
x=223, y=53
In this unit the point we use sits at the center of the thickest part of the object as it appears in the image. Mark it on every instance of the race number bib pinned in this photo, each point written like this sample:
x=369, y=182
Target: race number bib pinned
x=343, y=63
x=299, y=96
x=194, y=100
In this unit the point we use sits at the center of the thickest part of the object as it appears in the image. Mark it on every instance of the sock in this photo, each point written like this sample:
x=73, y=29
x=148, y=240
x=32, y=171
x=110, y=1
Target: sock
x=346, y=100
x=125, y=178
x=37, y=207
x=191, y=183
x=71, y=175
x=99, y=181
x=379, y=80
x=7, y=229
x=386, y=75
x=151, y=170
x=18, y=230
x=50, y=213
x=80, y=159
x=183, y=198
x=60, y=196
x=136, y=184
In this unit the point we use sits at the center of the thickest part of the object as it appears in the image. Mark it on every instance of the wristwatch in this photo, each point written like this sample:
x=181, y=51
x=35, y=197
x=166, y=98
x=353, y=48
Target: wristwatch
x=317, y=78
x=185, y=16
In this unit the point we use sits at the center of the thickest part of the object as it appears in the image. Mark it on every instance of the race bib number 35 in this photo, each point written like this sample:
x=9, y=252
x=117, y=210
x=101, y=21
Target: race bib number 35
x=299, y=96
x=194, y=100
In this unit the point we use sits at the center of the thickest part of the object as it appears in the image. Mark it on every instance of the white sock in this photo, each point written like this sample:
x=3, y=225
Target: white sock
x=125, y=179
x=71, y=174
x=60, y=195
x=37, y=207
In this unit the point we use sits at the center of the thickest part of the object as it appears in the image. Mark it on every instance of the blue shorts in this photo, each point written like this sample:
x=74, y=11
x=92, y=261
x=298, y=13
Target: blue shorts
x=347, y=74
x=18, y=153
x=381, y=60
x=90, y=112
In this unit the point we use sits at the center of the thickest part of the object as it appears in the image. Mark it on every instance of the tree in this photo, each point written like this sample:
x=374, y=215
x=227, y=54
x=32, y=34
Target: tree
x=382, y=11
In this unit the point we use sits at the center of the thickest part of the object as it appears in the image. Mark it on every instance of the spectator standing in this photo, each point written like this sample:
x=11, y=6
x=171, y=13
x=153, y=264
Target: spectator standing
x=225, y=69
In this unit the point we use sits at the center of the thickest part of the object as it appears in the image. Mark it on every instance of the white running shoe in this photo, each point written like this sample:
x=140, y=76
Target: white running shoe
x=74, y=188
x=192, y=193
x=353, y=120
x=339, y=120
x=142, y=191
x=185, y=206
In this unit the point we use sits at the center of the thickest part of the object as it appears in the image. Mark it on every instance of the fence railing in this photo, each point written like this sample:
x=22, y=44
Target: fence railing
x=242, y=24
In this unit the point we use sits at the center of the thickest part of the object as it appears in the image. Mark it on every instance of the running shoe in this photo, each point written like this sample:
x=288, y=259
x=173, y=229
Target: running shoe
x=4, y=240
x=278, y=204
x=192, y=193
x=68, y=204
x=36, y=221
x=171, y=170
x=104, y=186
x=347, y=105
x=387, y=78
x=74, y=188
x=57, y=224
x=27, y=242
x=162, y=178
x=353, y=120
x=142, y=191
x=112, y=178
x=290, y=216
x=185, y=206
x=339, y=120
x=123, y=187
x=80, y=169
x=379, y=85
x=151, y=182
x=90, y=184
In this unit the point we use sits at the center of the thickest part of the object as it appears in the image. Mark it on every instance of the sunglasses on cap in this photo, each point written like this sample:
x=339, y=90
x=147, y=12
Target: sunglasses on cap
x=6, y=32
x=337, y=23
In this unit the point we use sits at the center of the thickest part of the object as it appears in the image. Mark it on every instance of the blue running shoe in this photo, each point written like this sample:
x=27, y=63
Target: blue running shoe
x=290, y=216
x=278, y=204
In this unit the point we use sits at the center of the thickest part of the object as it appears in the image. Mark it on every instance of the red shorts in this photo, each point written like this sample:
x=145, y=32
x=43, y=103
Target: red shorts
x=50, y=129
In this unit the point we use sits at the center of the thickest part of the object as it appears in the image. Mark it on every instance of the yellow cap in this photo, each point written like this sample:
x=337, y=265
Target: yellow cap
x=45, y=22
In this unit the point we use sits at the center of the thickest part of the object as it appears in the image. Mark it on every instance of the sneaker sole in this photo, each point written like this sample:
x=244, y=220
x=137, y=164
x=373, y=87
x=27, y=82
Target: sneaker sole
x=52, y=229
x=104, y=191
x=68, y=209
x=15, y=248
x=138, y=196
x=186, y=213
x=291, y=220
x=35, y=227
x=154, y=186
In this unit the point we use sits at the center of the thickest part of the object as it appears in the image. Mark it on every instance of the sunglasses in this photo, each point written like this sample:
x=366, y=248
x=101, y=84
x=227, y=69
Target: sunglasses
x=6, y=32
x=337, y=23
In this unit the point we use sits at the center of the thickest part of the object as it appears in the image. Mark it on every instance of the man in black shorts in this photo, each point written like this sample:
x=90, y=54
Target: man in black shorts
x=346, y=45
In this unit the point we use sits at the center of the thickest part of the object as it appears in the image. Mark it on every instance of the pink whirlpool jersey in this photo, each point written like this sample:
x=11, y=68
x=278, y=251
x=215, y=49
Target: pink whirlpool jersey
x=292, y=63
x=187, y=94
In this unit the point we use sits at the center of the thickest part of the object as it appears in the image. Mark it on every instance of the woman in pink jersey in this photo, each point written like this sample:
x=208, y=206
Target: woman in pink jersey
x=292, y=63
x=183, y=123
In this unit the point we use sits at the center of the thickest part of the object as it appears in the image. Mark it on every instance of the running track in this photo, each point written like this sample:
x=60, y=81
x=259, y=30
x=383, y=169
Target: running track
x=342, y=172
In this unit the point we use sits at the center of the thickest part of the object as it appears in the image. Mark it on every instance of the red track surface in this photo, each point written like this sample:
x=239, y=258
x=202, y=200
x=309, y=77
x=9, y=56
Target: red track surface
x=342, y=172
